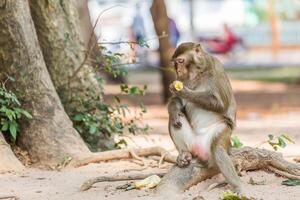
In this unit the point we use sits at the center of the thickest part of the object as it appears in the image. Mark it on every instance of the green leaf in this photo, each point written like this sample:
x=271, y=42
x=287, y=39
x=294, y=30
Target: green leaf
x=26, y=114
x=93, y=129
x=5, y=126
x=133, y=90
x=78, y=117
x=13, y=130
x=281, y=142
x=10, y=114
x=235, y=142
x=291, y=182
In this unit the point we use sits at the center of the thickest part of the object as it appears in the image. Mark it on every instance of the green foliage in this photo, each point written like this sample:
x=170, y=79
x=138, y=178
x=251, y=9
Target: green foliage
x=279, y=141
x=134, y=90
x=10, y=112
x=291, y=182
x=229, y=195
x=100, y=118
x=235, y=142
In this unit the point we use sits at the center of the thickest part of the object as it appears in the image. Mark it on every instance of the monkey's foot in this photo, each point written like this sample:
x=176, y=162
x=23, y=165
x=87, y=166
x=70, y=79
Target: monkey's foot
x=184, y=159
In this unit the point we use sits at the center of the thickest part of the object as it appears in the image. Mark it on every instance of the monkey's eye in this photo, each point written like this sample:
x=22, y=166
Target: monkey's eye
x=180, y=60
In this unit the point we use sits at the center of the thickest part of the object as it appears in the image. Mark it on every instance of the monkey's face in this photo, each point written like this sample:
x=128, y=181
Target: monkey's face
x=189, y=61
x=181, y=67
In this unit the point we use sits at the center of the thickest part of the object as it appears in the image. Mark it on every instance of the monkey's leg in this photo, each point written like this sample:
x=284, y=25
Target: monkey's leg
x=219, y=147
x=183, y=138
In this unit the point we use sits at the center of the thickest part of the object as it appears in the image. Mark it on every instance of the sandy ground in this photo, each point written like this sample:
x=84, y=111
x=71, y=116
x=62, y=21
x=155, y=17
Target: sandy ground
x=255, y=122
x=41, y=184
x=64, y=185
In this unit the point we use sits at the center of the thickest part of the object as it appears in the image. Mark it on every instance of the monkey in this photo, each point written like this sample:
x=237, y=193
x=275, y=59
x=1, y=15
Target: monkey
x=203, y=114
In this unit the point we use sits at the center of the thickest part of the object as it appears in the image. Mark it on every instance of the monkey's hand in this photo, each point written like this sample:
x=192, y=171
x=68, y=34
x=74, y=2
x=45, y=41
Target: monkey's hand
x=175, y=119
x=180, y=93
x=184, y=159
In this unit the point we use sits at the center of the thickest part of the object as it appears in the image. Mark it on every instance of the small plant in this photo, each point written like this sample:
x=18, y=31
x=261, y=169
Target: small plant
x=100, y=118
x=229, y=195
x=280, y=141
x=10, y=112
x=235, y=142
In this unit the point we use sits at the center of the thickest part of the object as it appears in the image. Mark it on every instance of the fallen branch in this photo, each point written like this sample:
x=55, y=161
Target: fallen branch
x=125, y=153
x=244, y=159
x=89, y=183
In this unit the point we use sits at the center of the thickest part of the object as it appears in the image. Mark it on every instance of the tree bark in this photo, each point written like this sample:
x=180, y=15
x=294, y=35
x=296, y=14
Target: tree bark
x=64, y=50
x=8, y=160
x=161, y=24
x=49, y=137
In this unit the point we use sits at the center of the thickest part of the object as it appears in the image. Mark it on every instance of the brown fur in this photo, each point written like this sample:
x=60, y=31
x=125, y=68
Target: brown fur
x=207, y=86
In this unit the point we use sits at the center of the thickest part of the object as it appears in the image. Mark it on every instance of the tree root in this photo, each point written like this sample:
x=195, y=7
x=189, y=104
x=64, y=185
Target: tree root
x=244, y=159
x=179, y=179
x=89, y=183
x=126, y=153
x=8, y=160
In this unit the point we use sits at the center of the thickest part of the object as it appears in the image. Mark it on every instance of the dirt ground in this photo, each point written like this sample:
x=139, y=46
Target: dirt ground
x=254, y=125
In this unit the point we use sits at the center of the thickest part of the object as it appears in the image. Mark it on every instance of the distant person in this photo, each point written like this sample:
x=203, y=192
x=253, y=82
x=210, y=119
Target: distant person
x=174, y=33
x=138, y=27
x=223, y=44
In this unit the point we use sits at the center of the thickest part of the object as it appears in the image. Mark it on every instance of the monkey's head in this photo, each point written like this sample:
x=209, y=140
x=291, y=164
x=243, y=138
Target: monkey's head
x=188, y=60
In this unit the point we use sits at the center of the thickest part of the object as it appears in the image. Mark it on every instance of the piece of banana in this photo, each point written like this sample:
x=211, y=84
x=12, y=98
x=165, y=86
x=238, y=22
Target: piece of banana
x=149, y=182
x=178, y=85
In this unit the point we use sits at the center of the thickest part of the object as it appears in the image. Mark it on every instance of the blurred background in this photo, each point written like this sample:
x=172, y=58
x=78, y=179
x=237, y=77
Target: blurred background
x=258, y=42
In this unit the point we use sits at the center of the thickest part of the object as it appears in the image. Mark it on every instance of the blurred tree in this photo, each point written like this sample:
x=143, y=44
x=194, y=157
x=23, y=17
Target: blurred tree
x=161, y=25
x=48, y=136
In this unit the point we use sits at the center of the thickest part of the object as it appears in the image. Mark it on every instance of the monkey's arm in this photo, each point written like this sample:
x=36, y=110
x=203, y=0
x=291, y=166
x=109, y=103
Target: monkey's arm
x=207, y=100
x=175, y=107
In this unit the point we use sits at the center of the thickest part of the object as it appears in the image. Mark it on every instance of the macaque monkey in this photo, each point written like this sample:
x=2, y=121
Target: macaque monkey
x=202, y=114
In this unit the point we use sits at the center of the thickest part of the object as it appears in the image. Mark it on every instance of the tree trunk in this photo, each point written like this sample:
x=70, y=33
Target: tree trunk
x=86, y=30
x=49, y=136
x=8, y=160
x=161, y=24
x=64, y=50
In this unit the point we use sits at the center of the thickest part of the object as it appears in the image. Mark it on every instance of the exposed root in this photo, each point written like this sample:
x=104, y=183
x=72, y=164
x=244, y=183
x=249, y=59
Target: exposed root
x=125, y=153
x=134, y=156
x=89, y=183
x=244, y=159
x=282, y=173
x=161, y=160
x=297, y=159
x=8, y=160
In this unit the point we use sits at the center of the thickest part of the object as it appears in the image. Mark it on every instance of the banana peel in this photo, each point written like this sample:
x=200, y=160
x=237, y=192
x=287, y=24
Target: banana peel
x=148, y=183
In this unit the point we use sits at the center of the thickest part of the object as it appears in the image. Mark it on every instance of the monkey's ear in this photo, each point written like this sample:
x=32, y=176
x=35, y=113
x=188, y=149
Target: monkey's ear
x=198, y=48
